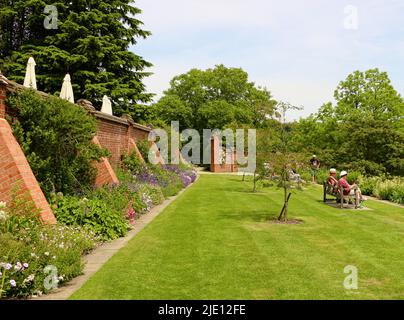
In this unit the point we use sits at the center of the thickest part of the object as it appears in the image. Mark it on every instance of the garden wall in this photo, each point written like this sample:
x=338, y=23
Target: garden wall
x=117, y=135
x=16, y=177
x=216, y=165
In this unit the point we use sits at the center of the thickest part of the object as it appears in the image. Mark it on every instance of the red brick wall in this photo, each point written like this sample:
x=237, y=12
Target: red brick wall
x=118, y=136
x=15, y=172
x=112, y=136
x=215, y=165
x=105, y=173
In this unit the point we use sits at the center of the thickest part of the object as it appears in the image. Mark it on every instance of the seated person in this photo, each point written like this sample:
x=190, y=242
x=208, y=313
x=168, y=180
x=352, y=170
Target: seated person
x=352, y=190
x=293, y=175
x=332, y=180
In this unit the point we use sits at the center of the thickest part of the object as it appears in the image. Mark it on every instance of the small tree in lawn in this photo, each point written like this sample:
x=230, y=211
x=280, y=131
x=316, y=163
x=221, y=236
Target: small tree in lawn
x=267, y=142
x=284, y=157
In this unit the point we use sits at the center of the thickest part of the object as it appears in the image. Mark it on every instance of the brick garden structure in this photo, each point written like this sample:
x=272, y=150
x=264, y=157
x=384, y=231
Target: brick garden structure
x=216, y=165
x=117, y=135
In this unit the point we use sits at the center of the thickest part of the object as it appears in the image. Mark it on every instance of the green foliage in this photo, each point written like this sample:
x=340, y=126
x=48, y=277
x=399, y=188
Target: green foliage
x=214, y=98
x=143, y=146
x=30, y=246
x=56, y=137
x=169, y=182
x=154, y=192
x=172, y=108
x=391, y=189
x=20, y=213
x=133, y=163
x=103, y=213
x=363, y=132
x=91, y=42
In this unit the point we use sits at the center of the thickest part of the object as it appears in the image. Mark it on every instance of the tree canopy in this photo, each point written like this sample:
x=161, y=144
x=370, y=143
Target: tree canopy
x=363, y=131
x=215, y=99
x=91, y=42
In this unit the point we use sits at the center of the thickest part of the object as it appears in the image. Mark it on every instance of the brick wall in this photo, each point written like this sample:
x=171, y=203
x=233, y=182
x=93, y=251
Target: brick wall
x=15, y=173
x=215, y=165
x=118, y=135
x=105, y=174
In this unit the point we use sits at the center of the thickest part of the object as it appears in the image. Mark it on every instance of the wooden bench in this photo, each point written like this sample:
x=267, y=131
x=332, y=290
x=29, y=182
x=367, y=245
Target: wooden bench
x=338, y=192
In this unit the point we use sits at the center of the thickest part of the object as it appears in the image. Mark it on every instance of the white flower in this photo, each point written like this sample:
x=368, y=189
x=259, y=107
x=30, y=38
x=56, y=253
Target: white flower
x=13, y=283
x=8, y=266
x=3, y=215
x=30, y=278
x=25, y=265
x=18, y=266
x=46, y=253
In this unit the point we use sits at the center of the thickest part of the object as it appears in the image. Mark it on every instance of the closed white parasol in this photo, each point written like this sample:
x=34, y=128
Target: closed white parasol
x=30, y=79
x=106, y=105
x=67, y=90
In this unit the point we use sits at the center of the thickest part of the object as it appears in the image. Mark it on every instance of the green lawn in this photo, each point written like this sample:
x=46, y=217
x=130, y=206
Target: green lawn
x=215, y=242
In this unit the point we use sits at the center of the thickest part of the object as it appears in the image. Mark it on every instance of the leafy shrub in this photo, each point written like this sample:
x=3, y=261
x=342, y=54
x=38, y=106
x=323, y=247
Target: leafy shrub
x=133, y=163
x=353, y=177
x=368, y=184
x=391, y=189
x=398, y=194
x=32, y=246
x=154, y=192
x=96, y=214
x=56, y=137
x=169, y=181
x=322, y=176
x=143, y=146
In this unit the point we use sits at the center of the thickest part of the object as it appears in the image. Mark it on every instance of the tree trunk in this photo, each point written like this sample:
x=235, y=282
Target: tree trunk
x=284, y=213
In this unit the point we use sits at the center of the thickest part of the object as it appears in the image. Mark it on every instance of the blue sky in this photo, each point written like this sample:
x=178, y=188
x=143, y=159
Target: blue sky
x=299, y=50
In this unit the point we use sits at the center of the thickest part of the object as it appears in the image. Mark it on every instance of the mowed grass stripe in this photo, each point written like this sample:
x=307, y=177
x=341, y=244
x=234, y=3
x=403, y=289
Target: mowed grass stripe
x=216, y=242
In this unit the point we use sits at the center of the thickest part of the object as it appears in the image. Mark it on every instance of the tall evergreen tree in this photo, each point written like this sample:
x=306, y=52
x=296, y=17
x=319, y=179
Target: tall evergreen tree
x=91, y=41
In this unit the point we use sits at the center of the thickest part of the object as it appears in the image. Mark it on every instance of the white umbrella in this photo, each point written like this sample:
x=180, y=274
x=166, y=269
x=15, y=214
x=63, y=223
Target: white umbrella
x=67, y=90
x=106, y=105
x=30, y=79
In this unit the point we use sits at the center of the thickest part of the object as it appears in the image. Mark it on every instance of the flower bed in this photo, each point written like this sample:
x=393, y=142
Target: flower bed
x=35, y=258
x=391, y=189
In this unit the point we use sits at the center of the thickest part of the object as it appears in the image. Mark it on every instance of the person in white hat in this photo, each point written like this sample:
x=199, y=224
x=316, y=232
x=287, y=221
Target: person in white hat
x=315, y=165
x=332, y=180
x=352, y=190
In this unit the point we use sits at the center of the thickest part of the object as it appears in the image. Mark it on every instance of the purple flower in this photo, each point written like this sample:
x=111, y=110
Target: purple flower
x=8, y=266
x=13, y=283
x=25, y=265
